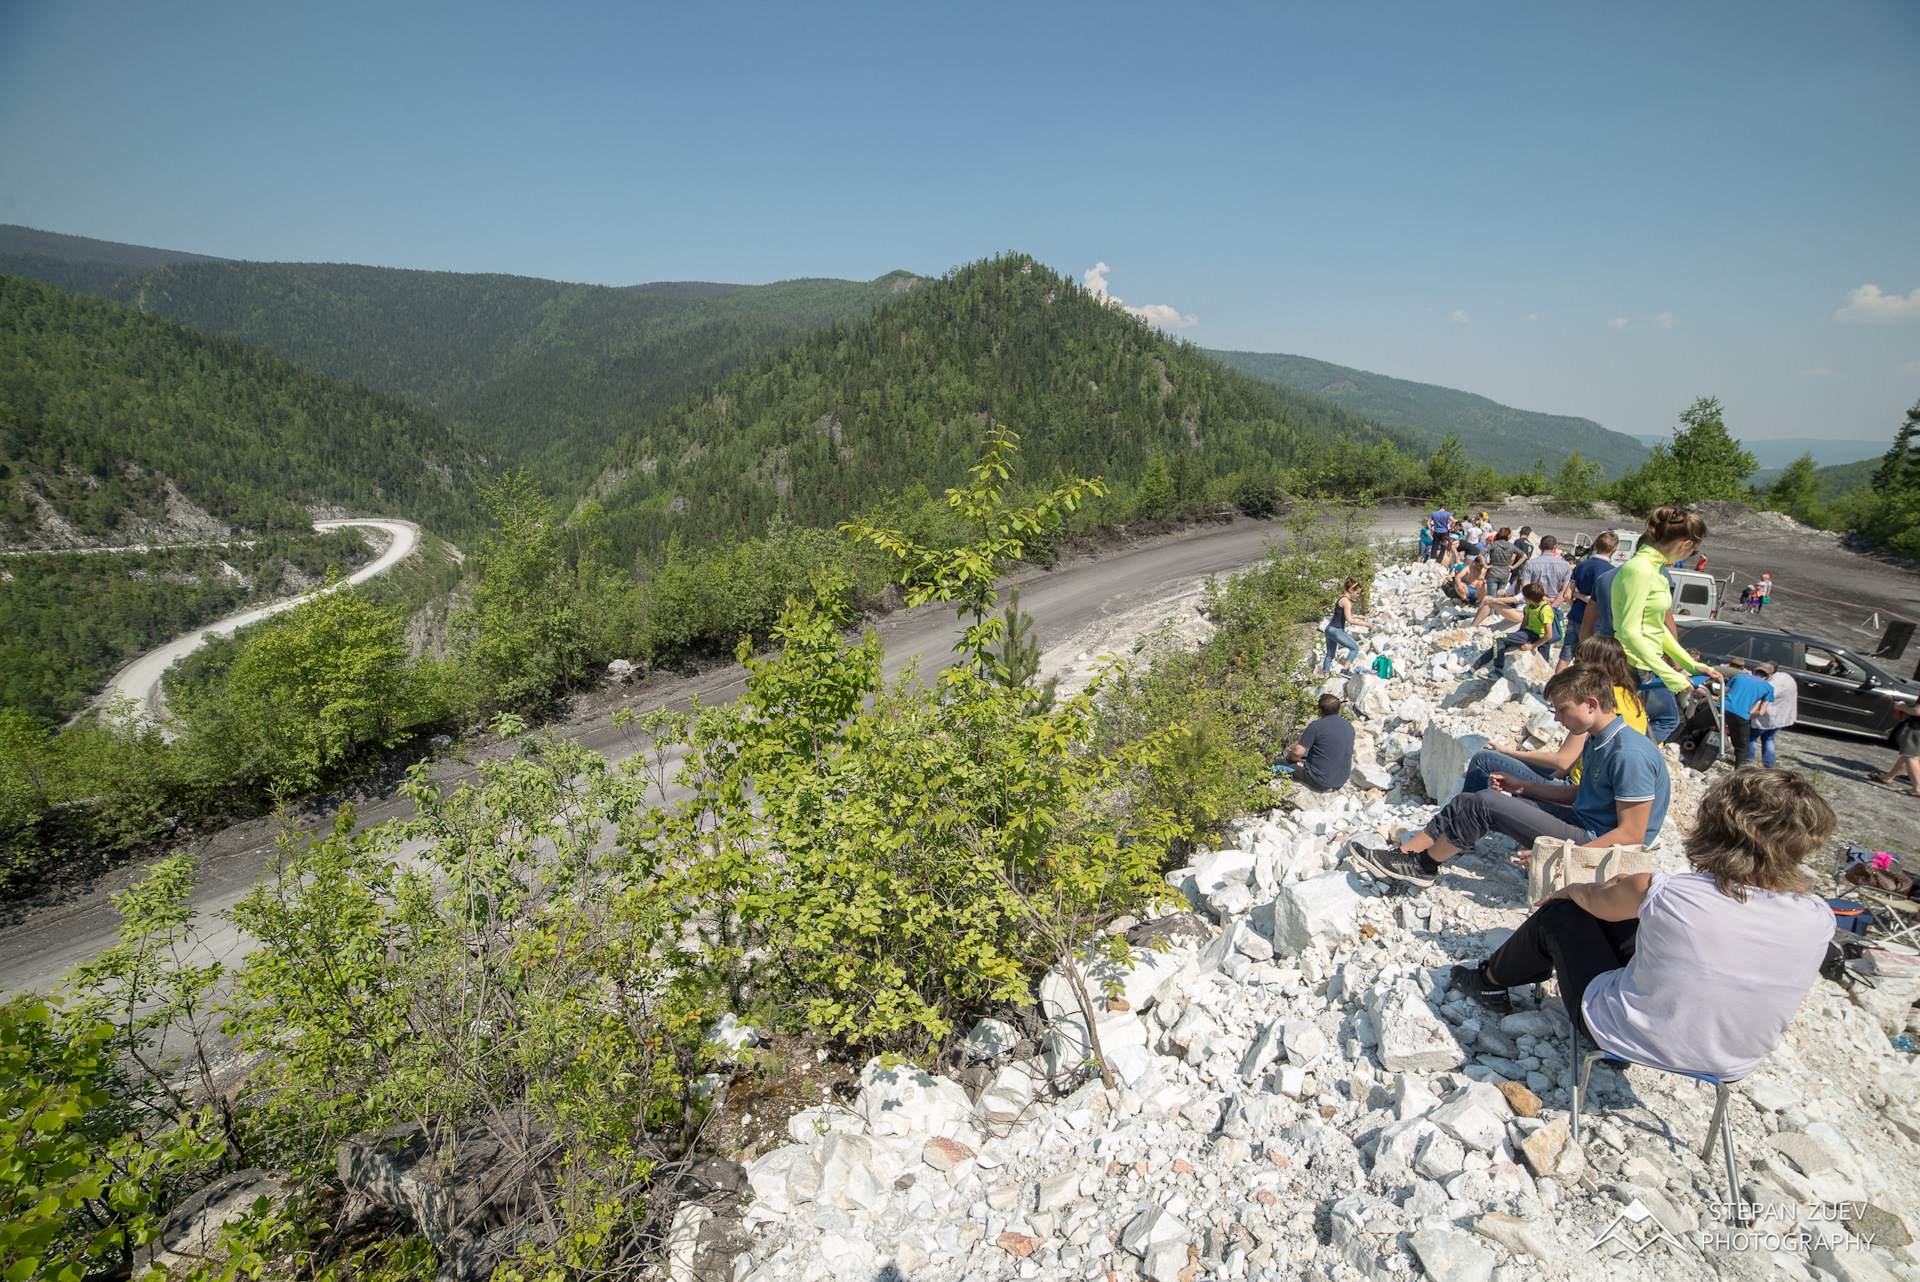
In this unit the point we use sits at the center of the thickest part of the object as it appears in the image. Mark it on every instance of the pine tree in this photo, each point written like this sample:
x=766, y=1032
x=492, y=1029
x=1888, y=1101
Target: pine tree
x=1900, y=468
x=1018, y=663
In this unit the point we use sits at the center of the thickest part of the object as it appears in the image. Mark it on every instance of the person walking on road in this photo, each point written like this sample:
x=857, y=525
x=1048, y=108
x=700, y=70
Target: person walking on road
x=1782, y=710
x=1906, y=744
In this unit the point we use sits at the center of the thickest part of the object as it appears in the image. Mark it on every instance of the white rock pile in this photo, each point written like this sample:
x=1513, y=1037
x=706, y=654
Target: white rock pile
x=1299, y=1093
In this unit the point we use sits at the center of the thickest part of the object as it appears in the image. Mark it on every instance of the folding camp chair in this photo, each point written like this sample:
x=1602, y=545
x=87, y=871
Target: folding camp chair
x=1896, y=918
x=1720, y=1127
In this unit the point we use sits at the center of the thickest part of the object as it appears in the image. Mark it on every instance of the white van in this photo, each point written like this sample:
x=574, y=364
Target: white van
x=1696, y=594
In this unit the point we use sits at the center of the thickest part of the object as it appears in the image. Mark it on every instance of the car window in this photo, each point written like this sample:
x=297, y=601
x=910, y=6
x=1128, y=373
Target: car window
x=1776, y=649
x=1830, y=663
x=1695, y=594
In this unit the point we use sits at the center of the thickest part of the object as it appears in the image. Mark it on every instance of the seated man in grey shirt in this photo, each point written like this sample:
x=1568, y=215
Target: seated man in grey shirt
x=1323, y=759
x=1696, y=973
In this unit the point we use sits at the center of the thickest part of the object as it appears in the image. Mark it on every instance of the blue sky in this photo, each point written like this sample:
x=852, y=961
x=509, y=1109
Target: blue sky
x=1602, y=210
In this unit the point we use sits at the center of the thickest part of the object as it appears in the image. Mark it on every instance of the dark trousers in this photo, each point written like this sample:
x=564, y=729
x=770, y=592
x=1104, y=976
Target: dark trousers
x=1472, y=815
x=1739, y=734
x=1565, y=940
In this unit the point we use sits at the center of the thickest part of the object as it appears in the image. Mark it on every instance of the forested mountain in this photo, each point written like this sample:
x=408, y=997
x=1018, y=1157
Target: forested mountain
x=79, y=263
x=825, y=427
x=109, y=416
x=1492, y=433
x=540, y=371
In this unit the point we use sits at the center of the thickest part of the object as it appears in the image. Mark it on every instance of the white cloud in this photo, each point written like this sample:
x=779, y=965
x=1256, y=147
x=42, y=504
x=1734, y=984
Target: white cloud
x=1618, y=322
x=1460, y=318
x=1095, y=280
x=1912, y=367
x=1868, y=304
x=1533, y=316
x=1818, y=371
x=1664, y=320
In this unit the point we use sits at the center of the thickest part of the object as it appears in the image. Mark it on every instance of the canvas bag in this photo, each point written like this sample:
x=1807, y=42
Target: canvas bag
x=1558, y=861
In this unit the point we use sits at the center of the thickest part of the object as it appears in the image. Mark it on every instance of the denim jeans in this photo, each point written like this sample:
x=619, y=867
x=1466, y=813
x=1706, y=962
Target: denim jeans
x=1335, y=639
x=1487, y=762
x=1472, y=815
x=1762, y=739
x=1663, y=710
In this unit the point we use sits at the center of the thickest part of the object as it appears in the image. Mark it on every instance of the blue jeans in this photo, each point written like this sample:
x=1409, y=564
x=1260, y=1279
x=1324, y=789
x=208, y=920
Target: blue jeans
x=1663, y=711
x=1488, y=762
x=1335, y=639
x=1762, y=739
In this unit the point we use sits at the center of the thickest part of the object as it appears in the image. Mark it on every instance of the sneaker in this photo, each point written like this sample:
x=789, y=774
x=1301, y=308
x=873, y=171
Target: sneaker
x=1469, y=980
x=1389, y=863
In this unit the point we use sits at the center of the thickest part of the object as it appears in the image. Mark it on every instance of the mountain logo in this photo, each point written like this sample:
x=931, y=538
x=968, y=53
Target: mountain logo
x=1630, y=1229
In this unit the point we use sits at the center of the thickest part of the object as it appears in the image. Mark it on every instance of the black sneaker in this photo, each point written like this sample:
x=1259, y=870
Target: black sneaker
x=1471, y=981
x=1390, y=863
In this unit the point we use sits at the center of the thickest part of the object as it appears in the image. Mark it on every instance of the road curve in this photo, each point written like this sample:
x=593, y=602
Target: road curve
x=140, y=680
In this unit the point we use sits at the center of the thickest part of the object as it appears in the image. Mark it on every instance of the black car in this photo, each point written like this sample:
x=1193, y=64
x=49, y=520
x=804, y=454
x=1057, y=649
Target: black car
x=1839, y=689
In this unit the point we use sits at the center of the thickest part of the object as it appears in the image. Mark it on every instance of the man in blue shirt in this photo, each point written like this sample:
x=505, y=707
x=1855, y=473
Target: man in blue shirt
x=1621, y=798
x=1442, y=523
x=1746, y=695
x=1586, y=594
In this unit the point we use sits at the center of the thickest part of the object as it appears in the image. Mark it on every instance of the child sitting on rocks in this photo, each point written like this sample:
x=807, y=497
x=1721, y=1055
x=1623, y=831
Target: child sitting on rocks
x=1695, y=973
x=1536, y=630
x=1621, y=798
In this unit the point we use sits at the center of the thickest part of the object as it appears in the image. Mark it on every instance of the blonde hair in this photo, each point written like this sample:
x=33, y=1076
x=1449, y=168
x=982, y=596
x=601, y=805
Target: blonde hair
x=1756, y=827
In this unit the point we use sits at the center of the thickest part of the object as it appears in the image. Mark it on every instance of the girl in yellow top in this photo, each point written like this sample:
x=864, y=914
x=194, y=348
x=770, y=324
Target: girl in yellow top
x=1547, y=767
x=1642, y=602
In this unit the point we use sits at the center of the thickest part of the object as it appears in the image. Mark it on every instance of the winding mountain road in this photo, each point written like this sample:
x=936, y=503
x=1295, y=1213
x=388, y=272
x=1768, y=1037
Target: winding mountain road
x=140, y=680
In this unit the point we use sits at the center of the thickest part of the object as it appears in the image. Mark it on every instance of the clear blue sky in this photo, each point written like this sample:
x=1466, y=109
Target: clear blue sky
x=1603, y=210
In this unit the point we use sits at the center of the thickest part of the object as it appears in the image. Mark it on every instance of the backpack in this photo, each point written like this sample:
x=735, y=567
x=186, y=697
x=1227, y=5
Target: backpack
x=1850, y=917
x=1383, y=667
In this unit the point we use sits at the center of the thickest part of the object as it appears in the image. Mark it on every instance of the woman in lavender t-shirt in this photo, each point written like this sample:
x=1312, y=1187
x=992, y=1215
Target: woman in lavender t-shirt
x=1699, y=972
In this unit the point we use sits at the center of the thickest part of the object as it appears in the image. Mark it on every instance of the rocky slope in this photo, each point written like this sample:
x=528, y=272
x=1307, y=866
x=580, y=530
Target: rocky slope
x=1299, y=1093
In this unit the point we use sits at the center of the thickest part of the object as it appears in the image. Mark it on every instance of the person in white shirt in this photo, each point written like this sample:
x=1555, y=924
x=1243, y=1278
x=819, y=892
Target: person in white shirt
x=1781, y=711
x=1695, y=973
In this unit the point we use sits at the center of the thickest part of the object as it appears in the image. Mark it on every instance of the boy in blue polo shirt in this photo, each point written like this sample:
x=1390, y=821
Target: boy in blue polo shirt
x=1746, y=695
x=1621, y=798
x=1587, y=597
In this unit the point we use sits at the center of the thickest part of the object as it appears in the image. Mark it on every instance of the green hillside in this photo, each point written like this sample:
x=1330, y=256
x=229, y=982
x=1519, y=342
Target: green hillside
x=78, y=263
x=539, y=371
x=119, y=429
x=1492, y=433
x=819, y=430
x=101, y=408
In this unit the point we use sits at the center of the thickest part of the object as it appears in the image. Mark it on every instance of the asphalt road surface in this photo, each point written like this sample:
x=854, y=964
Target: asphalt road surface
x=1825, y=589
x=140, y=680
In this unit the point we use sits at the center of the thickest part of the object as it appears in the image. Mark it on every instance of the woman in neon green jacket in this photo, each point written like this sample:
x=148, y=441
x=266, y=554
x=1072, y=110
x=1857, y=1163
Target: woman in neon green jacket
x=1641, y=600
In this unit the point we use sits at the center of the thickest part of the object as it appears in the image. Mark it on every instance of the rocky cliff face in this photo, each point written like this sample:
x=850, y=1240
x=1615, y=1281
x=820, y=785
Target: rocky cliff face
x=1300, y=1093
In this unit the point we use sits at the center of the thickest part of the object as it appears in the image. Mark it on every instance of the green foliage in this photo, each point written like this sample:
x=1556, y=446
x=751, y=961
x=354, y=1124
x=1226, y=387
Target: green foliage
x=1243, y=694
x=1576, y=485
x=306, y=692
x=502, y=972
x=546, y=605
x=1492, y=434
x=1450, y=469
x=1888, y=512
x=78, y=1194
x=1016, y=663
x=1702, y=462
x=1797, y=492
x=67, y=621
x=101, y=406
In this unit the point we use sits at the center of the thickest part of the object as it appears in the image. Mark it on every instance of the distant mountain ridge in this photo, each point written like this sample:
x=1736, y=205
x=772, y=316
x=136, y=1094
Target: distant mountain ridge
x=1492, y=433
x=1826, y=451
x=862, y=410
x=546, y=373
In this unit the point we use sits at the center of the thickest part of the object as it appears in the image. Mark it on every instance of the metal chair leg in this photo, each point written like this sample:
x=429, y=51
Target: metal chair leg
x=1580, y=1088
x=1723, y=1122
